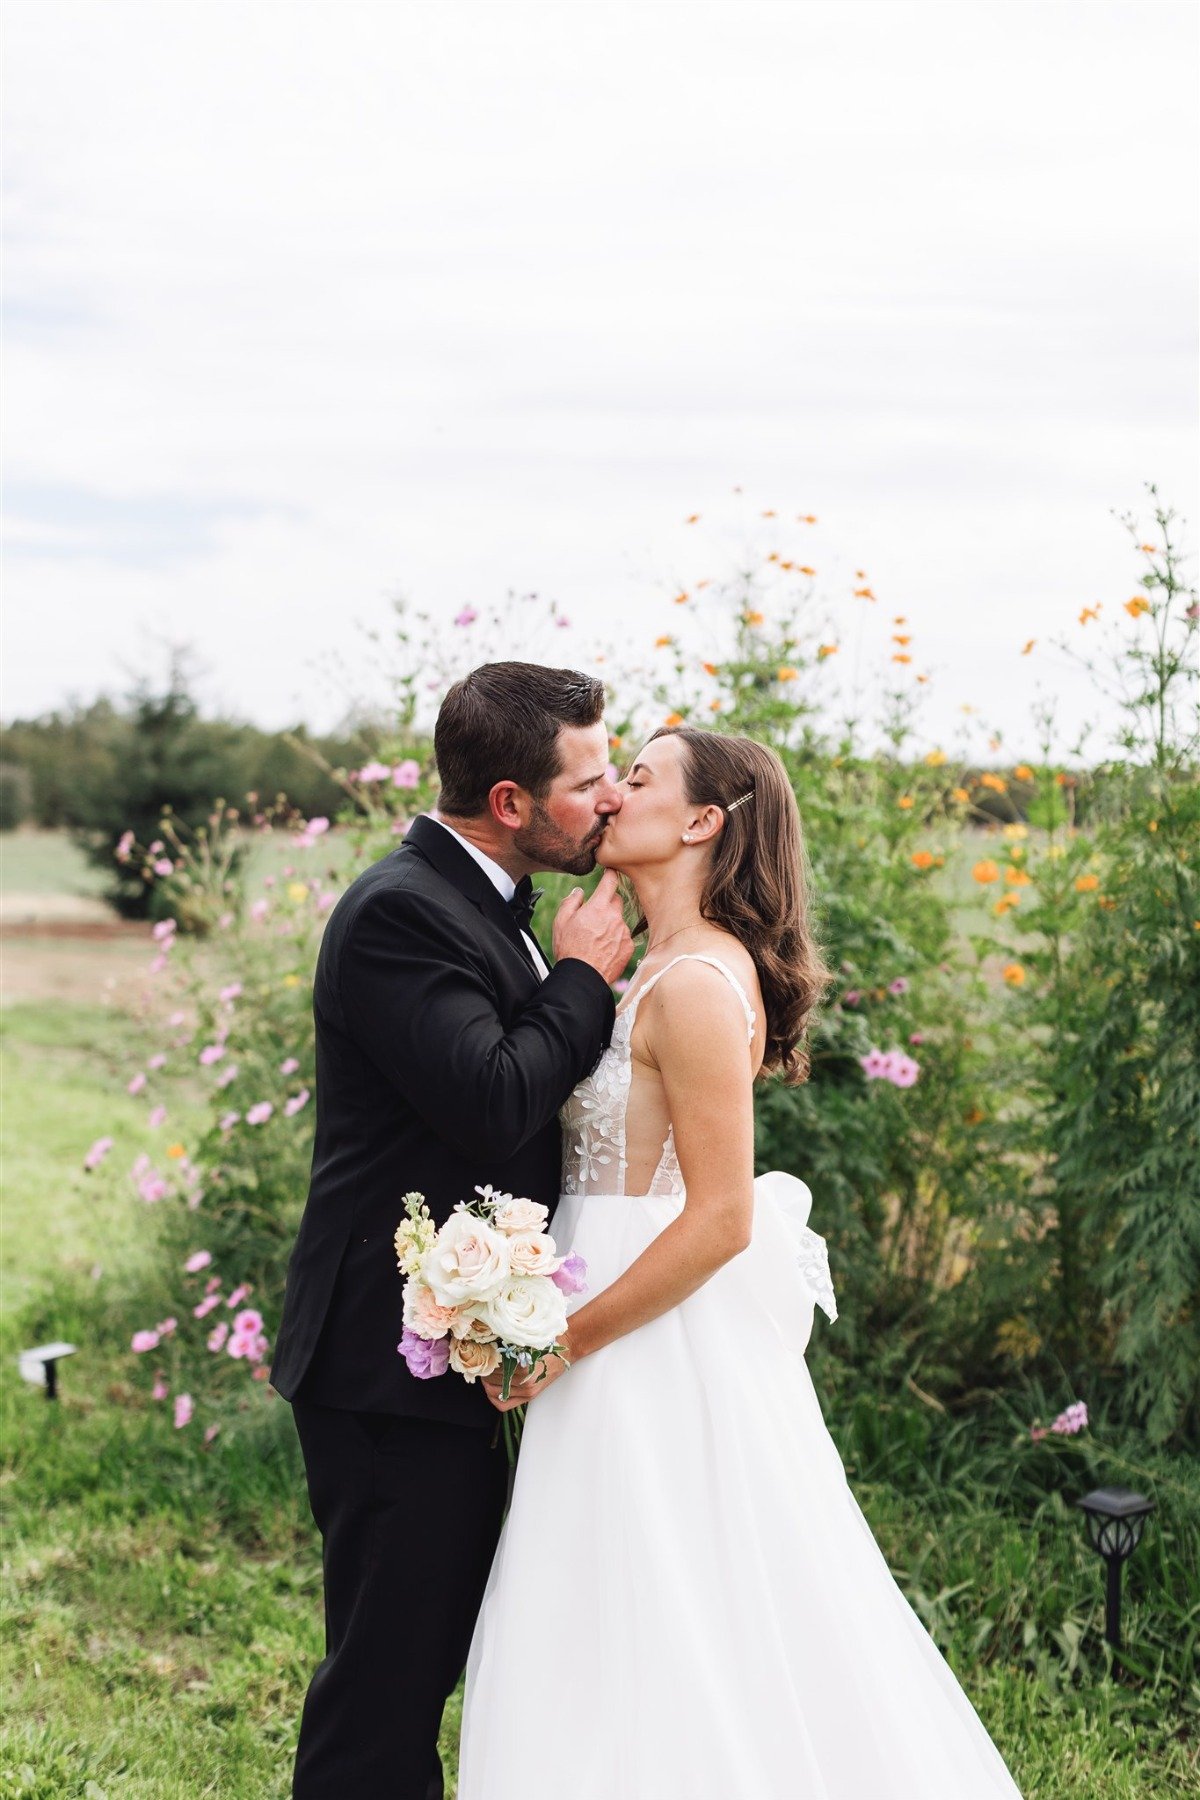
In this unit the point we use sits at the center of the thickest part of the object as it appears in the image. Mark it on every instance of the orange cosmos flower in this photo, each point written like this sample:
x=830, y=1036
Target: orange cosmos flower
x=995, y=782
x=662, y=643
x=805, y=570
x=922, y=859
x=1029, y=646
x=985, y=872
x=673, y=719
x=1014, y=974
x=1005, y=903
x=1086, y=884
x=905, y=802
x=769, y=514
x=900, y=619
x=922, y=679
x=1023, y=772
x=175, y=1151
x=680, y=599
x=975, y=1116
x=774, y=556
x=901, y=656
x=714, y=706
x=899, y=638
x=863, y=593
x=1089, y=612
x=691, y=518
x=1150, y=549
x=786, y=674
x=960, y=794
x=1104, y=901
x=711, y=668
x=1137, y=606
x=824, y=650
x=752, y=618
x=935, y=758
x=1017, y=877
x=806, y=518
x=787, y=565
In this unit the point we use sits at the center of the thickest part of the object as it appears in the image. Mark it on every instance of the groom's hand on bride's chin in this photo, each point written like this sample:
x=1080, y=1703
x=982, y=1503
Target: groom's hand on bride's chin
x=594, y=931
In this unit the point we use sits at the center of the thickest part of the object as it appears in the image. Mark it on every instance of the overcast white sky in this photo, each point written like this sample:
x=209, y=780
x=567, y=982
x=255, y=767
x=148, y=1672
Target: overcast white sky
x=309, y=304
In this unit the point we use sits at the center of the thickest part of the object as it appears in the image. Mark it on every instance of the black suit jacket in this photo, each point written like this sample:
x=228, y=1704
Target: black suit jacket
x=442, y=1061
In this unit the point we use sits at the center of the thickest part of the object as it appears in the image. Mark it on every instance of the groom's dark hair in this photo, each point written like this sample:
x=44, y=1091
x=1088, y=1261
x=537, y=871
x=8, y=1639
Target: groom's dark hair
x=501, y=723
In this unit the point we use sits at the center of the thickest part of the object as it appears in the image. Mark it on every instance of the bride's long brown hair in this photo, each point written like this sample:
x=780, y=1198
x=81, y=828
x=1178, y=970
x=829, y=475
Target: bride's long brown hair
x=757, y=887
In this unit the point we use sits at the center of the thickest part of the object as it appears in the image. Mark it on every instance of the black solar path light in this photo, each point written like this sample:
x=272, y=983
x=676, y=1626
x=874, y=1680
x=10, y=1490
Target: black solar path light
x=1116, y=1518
x=40, y=1366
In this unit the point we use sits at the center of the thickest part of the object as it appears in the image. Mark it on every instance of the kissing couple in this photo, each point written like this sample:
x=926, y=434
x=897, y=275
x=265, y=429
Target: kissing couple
x=684, y=1601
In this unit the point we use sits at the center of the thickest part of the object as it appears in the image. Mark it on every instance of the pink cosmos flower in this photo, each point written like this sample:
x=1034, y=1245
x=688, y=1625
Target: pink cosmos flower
x=210, y=1432
x=152, y=1187
x=288, y=1066
x=259, y=1113
x=227, y=1121
x=212, y=1284
x=904, y=1070
x=325, y=901
x=407, y=774
x=165, y=1327
x=157, y=1061
x=1074, y=1419
x=268, y=881
x=160, y=1390
x=400, y=827
x=203, y=1307
x=225, y=921
x=374, y=771
x=1037, y=1433
x=239, y=1294
x=874, y=1065
x=158, y=965
x=249, y=1322
x=308, y=834
x=211, y=1053
x=562, y=621
x=899, y=986
x=137, y=1084
x=164, y=931
x=228, y=1074
x=124, y=845
x=157, y=1117
x=199, y=1259
x=232, y=992
x=851, y=997
x=164, y=866
x=217, y=1336
x=467, y=616
x=183, y=1411
x=295, y=1104
x=97, y=1153
x=142, y=1341
x=620, y=986
x=177, y=1018
x=916, y=1037
x=259, y=911
x=156, y=846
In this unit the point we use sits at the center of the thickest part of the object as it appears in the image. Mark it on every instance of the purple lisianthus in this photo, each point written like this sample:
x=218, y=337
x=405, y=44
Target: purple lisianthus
x=426, y=1357
x=571, y=1276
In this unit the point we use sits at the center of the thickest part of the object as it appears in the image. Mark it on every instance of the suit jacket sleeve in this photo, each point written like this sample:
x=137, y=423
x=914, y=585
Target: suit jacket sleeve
x=420, y=1002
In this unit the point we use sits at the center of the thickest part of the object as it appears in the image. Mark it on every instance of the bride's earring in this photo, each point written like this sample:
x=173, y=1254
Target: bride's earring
x=687, y=837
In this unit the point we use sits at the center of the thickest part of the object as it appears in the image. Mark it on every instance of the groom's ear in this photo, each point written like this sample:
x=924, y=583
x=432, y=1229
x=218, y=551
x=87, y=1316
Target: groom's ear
x=509, y=805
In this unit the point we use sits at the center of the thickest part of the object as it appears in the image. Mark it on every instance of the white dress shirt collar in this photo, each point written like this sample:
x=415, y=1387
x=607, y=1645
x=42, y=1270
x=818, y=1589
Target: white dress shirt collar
x=500, y=878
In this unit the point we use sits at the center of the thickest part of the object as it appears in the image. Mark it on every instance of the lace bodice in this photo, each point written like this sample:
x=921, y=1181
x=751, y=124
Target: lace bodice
x=593, y=1119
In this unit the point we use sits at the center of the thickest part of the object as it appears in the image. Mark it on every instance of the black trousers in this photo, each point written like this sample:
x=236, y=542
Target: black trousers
x=409, y=1511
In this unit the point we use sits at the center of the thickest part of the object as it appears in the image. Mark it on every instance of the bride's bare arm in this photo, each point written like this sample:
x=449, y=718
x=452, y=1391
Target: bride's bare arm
x=696, y=1035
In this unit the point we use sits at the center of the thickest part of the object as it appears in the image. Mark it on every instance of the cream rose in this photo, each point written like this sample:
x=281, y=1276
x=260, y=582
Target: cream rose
x=533, y=1253
x=468, y=1263
x=471, y=1360
x=527, y=1311
x=424, y=1315
x=519, y=1215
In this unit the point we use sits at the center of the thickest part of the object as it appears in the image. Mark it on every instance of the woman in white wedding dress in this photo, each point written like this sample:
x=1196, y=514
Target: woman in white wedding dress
x=686, y=1602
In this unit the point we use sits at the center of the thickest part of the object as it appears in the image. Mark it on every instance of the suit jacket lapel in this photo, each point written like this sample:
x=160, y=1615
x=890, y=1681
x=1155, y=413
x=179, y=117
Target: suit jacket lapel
x=451, y=861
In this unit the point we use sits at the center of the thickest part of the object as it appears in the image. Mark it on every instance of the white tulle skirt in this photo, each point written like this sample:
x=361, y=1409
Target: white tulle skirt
x=686, y=1602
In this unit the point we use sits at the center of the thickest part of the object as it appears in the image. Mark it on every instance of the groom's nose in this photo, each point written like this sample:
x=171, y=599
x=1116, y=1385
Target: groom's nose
x=609, y=798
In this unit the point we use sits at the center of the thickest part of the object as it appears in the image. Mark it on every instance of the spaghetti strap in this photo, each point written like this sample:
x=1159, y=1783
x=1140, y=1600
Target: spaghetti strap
x=638, y=994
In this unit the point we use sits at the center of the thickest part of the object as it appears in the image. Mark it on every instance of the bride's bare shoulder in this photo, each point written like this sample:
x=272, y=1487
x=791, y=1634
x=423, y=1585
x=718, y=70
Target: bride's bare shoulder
x=693, y=977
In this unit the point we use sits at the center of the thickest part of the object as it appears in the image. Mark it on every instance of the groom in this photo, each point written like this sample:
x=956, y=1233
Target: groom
x=445, y=1047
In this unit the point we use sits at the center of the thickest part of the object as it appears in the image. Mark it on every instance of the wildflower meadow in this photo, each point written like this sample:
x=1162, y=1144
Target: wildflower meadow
x=1000, y=1134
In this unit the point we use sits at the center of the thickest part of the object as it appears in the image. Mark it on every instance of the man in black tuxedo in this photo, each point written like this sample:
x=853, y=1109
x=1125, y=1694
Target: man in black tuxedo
x=445, y=1047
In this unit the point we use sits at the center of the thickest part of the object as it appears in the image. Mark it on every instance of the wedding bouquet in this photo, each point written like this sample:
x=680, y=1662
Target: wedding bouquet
x=486, y=1291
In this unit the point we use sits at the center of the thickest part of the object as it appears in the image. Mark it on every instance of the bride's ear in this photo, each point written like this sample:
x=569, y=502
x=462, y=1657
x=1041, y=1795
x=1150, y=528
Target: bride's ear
x=703, y=825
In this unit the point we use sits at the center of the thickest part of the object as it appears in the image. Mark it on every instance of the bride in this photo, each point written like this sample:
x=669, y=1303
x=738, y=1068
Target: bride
x=686, y=1602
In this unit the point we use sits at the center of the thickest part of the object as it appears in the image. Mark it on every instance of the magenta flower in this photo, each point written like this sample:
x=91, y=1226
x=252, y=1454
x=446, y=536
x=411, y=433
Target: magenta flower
x=97, y=1153
x=160, y=1390
x=425, y=1357
x=183, y=1411
x=904, y=1070
x=137, y=1084
x=203, y=1307
x=248, y=1322
x=211, y=1053
x=164, y=866
x=374, y=771
x=199, y=1259
x=124, y=845
x=165, y=1327
x=571, y=1278
x=212, y=1284
x=874, y=1065
x=295, y=1104
x=407, y=774
x=142, y=1341
x=308, y=834
x=899, y=986
x=232, y=992
x=916, y=1037
x=288, y=1066
x=164, y=931
x=851, y=997
x=467, y=616
x=259, y=1113
x=217, y=1336
x=238, y=1295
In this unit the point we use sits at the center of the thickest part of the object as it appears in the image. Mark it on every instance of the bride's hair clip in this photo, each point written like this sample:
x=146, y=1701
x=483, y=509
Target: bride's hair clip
x=741, y=801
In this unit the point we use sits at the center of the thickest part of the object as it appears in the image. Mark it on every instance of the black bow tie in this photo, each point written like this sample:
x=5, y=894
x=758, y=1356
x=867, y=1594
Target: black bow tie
x=525, y=898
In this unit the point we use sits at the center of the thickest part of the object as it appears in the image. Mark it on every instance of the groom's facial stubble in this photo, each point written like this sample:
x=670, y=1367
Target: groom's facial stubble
x=565, y=828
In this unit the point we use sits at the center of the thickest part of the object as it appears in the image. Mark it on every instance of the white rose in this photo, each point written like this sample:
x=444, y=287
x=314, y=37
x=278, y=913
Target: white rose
x=470, y=1359
x=468, y=1263
x=532, y=1253
x=529, y=1311
x=517, y=1214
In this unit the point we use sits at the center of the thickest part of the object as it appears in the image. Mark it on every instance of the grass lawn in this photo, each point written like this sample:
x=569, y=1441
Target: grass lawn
x=162, y=1602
